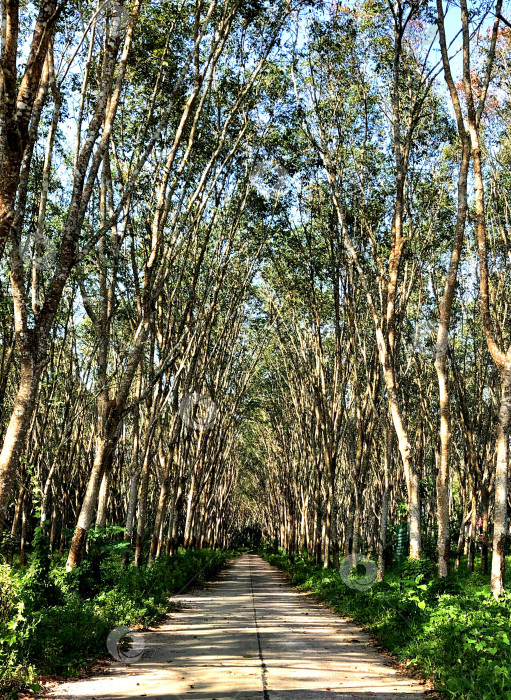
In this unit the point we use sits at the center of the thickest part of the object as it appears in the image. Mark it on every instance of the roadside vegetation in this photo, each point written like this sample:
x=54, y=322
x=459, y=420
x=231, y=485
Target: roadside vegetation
x=57, y=623
x=451, y=629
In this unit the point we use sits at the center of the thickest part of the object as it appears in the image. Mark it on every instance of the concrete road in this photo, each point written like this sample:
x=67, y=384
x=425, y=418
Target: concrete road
x=250, y=636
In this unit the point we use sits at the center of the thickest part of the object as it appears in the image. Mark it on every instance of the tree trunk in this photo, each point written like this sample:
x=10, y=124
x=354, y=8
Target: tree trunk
x=189, y=513
x=485, y=498
x=412, y=482
x=142, y=511
x=103, y=497
x=24, y=518
x=498, y=562
x=461, y=539
x=130, y=515
x=54, y=529
x=16, y=520
x=44, y=498
x=172, y=543
x=385, y=502
x=355, y=535
x=502, y=359
x=103, y=447
x=328, y=510
x=473, y=529
x=158, y=521
x=335, y=537
x=442, y=344
x=16, y=434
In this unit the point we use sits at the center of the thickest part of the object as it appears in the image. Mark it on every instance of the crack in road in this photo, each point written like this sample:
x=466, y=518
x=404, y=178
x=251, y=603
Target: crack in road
x=250, y=628
x=264, y=670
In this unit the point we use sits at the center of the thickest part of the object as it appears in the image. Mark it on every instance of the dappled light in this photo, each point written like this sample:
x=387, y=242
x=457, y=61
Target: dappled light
x=247, y=637
x=255, y=349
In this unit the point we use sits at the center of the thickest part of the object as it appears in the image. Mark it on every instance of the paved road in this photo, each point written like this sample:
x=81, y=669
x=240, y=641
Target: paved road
x=251, y=636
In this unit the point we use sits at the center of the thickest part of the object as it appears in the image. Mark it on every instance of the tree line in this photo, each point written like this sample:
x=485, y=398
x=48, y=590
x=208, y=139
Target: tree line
x=255, y=272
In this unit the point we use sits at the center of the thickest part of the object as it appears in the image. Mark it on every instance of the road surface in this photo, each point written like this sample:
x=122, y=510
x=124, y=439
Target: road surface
x=250, y=636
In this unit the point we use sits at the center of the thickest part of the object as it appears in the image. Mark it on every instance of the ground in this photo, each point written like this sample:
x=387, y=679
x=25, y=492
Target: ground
x=249, y=636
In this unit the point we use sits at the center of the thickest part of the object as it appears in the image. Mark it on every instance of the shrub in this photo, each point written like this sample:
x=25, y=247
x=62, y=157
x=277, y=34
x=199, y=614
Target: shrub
x=9, y=593
x=63, y=638
x=55, y=622
x=417, y=571
x=38, y=590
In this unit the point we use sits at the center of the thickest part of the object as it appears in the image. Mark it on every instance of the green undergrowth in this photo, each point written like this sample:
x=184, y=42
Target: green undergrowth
x=451, y=629
x=53, y=622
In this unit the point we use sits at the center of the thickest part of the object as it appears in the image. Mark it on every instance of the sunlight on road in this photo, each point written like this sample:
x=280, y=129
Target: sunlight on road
x=250, y=636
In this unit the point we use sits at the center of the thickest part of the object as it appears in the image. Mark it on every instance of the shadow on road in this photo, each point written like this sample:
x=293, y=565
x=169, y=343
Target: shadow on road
x=250, y=636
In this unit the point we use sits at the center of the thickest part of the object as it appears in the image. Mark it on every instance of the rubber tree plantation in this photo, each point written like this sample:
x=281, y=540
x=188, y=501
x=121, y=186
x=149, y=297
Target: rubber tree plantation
x=255, y=284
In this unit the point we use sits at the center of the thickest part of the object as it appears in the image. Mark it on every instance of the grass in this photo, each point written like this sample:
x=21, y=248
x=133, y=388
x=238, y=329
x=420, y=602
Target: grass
x=452, y=630
x=57, y=623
